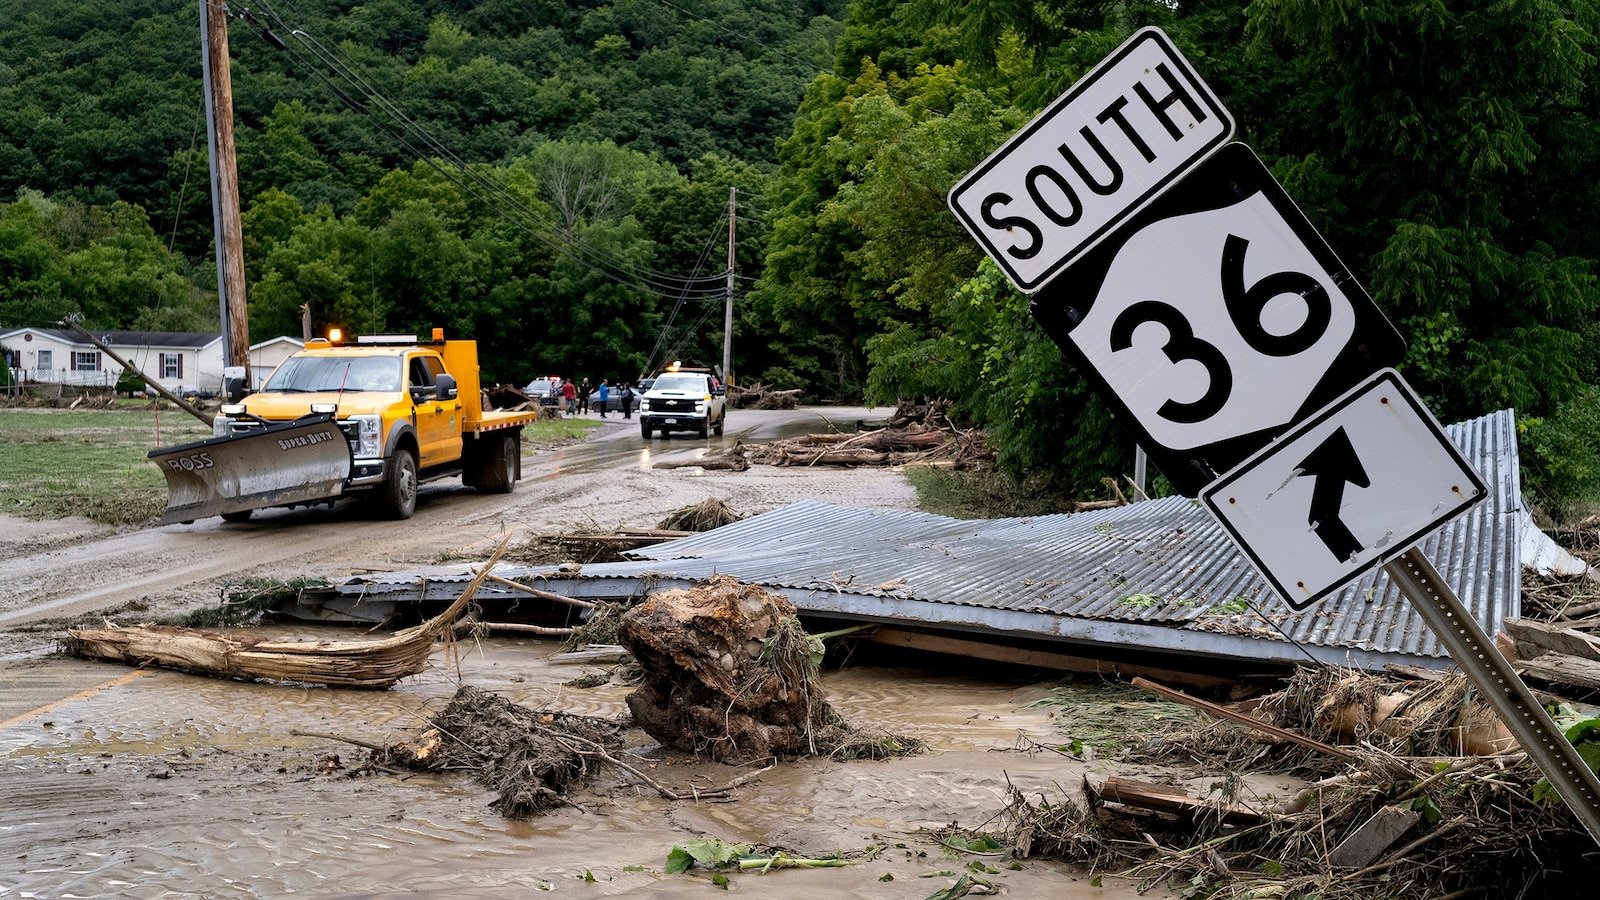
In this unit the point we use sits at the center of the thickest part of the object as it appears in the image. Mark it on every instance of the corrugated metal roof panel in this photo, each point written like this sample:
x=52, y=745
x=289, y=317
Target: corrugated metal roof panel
x=1160, y=574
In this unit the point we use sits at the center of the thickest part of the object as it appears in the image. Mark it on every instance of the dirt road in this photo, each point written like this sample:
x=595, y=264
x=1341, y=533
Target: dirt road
x=52, y=571
x=145, y=783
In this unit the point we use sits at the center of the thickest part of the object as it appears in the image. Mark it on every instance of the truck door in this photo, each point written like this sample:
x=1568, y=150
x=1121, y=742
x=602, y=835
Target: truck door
x=438, y=421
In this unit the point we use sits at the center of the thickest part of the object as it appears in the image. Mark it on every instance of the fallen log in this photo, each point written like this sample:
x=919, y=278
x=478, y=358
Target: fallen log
x=1559, y=668
x=371, y=665
x=1172, y=800
x=1245, y=720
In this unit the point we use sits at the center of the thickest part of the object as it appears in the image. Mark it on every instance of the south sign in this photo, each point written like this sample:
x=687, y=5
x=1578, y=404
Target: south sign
x=1123, y=133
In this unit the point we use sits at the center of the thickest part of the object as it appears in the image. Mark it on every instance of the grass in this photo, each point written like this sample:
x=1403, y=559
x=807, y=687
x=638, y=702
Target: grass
x=558, y=430
x=982, y=494
x=56, y=463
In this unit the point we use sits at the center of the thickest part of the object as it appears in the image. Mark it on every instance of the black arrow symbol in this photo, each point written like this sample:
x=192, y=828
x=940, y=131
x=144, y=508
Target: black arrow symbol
x=1333, y=464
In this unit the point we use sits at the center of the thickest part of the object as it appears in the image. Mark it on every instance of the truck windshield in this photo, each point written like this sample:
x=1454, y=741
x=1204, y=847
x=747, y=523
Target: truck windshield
x=307, y=374
x=680, y=381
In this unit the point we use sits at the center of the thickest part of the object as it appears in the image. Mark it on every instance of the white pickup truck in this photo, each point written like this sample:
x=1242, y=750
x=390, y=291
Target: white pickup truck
x=683, y=401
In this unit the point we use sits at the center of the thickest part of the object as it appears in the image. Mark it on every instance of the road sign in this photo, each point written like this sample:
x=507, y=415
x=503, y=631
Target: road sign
x=1118, y=137
x=1355, y=485
x=1215, y=319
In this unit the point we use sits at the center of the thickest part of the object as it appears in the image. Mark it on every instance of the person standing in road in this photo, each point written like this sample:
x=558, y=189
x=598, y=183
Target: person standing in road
x=569, y=393
x=584, y=390
x=605, y=393
x=627, y=400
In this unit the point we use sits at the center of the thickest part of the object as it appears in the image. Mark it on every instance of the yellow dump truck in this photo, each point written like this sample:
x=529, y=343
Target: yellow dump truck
x=376, y=416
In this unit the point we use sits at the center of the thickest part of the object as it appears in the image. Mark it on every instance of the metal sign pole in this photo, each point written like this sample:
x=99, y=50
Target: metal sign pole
x=1499, y=685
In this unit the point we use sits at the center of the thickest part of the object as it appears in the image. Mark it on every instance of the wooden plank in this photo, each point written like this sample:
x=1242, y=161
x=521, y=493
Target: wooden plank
x=1543, y=638
x=1169, y=799
x=1043, y=659
x=1563, y=669
x=1376, y=835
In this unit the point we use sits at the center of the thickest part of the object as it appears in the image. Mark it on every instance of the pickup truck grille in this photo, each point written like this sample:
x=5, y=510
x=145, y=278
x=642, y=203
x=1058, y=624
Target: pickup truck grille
x=249, y=426
x=672, y=406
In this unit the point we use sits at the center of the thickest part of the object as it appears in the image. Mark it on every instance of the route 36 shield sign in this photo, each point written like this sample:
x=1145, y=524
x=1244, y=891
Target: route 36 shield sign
x=1215, y=319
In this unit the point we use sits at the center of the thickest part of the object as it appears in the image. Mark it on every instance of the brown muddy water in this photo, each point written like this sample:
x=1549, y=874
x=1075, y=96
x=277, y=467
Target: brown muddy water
x=163, y=784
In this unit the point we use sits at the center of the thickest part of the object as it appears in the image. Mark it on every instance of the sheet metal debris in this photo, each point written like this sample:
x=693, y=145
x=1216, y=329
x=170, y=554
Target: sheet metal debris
x=1155, y=575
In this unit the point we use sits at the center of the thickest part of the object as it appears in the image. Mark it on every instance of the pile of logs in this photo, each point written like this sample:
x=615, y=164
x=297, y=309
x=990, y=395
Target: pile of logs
x=759, y=396
x=1553, y=654
x=885, y=447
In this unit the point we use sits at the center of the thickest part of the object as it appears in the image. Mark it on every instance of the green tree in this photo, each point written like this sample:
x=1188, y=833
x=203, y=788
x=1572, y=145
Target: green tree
x=1461, y=146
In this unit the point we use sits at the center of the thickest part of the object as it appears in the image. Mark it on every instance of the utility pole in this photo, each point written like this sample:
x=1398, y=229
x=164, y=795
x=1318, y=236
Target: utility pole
x=226, y=230
x=727, y=312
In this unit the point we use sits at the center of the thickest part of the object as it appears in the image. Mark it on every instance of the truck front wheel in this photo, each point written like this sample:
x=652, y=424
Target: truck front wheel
x=721, y=422
x=703, y=427
x=400, y=487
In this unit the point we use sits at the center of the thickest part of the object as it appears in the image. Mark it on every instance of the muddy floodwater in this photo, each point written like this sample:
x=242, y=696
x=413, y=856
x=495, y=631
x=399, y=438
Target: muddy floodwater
x=155, y=783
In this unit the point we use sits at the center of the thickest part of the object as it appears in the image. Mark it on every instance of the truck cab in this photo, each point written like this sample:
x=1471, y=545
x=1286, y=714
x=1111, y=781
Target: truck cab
x=409, y=411
x=683, y=400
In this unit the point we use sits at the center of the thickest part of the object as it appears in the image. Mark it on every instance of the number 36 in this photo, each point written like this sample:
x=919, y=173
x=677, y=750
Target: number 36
x=1245, y=308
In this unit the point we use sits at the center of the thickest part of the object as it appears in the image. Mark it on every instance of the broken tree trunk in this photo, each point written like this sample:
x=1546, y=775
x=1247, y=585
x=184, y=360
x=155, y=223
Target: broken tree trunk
x=357, y=664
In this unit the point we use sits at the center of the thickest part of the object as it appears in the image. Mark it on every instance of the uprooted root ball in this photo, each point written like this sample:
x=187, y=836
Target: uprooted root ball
x=729, y=673
x=531, y=757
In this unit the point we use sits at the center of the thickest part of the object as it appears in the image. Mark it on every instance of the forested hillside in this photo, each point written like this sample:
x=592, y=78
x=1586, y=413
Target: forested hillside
x=581, y=154
x=613, y=128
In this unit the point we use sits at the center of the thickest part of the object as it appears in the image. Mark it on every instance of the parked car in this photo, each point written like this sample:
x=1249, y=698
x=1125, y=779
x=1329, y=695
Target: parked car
x=614, y=397
x=542, y=390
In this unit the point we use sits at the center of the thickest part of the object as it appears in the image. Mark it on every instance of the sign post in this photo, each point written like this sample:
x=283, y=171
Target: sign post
x=1218, y=324
x=1499, y=685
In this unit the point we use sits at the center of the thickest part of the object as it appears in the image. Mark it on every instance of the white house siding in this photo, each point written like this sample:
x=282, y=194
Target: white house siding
x=264, y=357
x=179, y=362
x=53, y=356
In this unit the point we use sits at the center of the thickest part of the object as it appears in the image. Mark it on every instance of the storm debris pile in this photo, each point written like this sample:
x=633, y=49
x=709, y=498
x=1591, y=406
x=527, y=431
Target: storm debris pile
x=759, y=396
x=532, y=757
x=728, y=673
x=706, y=515
x=596, y=546
x=1418, y=798
x=915, y=443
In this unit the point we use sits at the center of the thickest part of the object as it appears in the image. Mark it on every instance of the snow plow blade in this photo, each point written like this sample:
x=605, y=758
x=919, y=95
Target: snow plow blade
x=296, y=462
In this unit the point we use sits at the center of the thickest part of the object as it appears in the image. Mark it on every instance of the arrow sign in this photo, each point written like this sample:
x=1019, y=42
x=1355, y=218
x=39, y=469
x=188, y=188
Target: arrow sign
x=1333, y=465
x=1355, y=485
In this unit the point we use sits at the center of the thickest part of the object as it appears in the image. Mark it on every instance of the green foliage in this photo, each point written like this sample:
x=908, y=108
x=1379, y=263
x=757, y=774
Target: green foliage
x=128, y=381
x=1448, y=154
x=984, y=494
x=61, y=257
x=1561, y=470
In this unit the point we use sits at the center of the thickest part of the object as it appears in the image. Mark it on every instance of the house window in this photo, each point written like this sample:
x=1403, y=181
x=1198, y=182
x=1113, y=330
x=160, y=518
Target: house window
x=172, y=365
x=85, y=360
x=47, y=359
